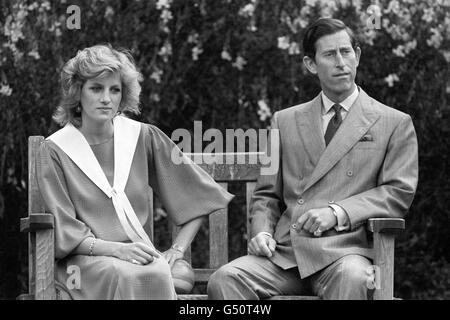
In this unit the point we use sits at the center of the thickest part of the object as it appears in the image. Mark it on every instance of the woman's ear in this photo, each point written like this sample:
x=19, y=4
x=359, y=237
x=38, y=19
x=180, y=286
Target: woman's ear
x=310, y=64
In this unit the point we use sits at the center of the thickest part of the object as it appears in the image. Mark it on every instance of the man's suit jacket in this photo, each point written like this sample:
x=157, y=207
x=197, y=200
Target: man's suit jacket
x=370, y=169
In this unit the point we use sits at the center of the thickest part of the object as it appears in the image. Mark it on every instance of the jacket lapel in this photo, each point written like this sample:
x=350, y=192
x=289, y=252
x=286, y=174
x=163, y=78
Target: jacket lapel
x=356, y=124
x=309, y=128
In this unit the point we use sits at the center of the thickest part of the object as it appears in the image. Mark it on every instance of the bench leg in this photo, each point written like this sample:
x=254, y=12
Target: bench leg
x=41, y=265
x=384, y=244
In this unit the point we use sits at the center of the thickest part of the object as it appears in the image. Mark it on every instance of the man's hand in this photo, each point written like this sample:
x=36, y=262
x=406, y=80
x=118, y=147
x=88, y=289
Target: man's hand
x=317, y=220
x=262, y=245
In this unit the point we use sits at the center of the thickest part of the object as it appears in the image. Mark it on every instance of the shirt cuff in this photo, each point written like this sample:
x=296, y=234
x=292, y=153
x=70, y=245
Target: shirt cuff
x=266, y=233
x=342, y=218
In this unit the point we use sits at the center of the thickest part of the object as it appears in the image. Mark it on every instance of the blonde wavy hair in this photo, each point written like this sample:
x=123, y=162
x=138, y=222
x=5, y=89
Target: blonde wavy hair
x=91, y=63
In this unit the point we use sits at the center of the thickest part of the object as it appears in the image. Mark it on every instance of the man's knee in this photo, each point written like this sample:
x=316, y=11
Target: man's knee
x=224, y=276
x=356, y=271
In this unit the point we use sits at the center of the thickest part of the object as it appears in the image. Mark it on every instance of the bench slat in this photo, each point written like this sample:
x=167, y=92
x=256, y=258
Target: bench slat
x=218, y=236
x=250, y=186
x=234, y=172
x=202, y=275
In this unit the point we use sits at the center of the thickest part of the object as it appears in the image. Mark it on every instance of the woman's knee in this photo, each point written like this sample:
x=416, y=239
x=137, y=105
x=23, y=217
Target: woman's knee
x=162, y=267
x=158, y=269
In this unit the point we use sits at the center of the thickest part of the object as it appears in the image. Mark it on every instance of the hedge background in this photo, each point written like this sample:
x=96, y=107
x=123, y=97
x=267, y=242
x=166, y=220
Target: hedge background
x=231, y=64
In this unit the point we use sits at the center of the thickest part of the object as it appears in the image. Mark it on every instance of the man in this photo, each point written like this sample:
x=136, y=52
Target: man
x=344, y=158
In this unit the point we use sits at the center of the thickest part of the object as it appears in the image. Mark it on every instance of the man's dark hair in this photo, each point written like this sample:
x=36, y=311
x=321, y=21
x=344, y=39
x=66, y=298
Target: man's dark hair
x=324, y=27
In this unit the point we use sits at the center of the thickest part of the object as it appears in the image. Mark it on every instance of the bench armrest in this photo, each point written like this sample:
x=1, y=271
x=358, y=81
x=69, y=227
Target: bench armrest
x=37, y=221
x=385, y=225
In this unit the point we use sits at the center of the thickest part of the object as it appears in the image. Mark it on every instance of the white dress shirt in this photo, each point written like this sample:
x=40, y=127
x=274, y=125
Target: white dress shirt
x=328, y=111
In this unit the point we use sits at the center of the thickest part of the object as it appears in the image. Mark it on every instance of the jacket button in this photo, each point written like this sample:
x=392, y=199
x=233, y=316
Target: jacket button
x=300, y=201
x=331, y=201
x=350, y=173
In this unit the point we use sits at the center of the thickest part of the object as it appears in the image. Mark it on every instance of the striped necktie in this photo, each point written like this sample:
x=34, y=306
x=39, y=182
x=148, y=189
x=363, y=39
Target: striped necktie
x=334, y=123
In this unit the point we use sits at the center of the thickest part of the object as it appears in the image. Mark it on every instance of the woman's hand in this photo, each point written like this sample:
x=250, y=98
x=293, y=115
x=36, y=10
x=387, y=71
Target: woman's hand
x=172, y=255
x=136, y=252
x=183, y=240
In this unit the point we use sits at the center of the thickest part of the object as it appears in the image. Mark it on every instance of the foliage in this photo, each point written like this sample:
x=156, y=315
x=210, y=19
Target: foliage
x=231, y=64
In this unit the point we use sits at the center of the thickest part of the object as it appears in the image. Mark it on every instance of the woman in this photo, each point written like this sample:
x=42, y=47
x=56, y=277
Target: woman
x=94, y=175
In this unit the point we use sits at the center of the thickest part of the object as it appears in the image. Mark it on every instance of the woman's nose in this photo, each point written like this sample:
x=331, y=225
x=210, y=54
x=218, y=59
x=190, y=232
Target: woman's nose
x=106, y=97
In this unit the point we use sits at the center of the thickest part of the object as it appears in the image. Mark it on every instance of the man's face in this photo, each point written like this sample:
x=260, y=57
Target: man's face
x=335, y=64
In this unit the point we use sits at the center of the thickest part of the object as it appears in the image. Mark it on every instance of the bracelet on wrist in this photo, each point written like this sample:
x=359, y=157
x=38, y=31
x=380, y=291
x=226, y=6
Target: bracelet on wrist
x=91, y=246
x=177, y=247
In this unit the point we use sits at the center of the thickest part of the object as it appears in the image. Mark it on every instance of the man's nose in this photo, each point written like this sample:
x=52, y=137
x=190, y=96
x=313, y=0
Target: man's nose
x=339, y=60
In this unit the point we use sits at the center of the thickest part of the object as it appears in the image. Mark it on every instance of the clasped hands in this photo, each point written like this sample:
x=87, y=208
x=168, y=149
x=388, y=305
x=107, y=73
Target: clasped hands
x=314, y=221
x=142, y=254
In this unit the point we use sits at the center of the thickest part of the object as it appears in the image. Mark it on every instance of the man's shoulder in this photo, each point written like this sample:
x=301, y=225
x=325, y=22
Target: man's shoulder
x=290, y=111
x=384, y=110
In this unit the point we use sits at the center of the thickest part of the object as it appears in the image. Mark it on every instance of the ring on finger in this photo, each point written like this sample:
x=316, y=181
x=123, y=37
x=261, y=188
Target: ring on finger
x=318, y=232
x=134, y=261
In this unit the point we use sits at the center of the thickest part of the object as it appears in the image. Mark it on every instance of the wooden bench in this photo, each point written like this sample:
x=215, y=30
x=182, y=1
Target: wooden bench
x=39, y=226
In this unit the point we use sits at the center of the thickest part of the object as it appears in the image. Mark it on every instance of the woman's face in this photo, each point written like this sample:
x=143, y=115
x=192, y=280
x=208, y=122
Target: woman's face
x=100, y=98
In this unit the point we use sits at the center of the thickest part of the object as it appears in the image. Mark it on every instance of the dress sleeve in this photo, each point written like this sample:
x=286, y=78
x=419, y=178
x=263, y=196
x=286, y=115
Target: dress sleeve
x=69, y=231
x=185, y=190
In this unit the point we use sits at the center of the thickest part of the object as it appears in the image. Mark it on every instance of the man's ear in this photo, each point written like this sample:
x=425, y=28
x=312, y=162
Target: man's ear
x=358, y=55
x=310, y=64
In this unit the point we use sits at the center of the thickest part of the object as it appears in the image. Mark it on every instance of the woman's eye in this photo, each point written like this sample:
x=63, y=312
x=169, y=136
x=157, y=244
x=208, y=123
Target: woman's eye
x=96, y=89
x=116, y=90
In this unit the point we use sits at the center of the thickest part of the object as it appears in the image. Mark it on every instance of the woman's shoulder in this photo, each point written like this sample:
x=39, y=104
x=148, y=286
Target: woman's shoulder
x=155, y=138
x=146, y=128
x=50, y=148
x=153, y=131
